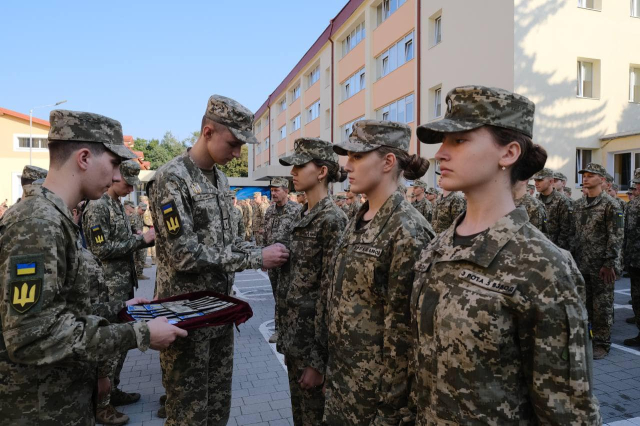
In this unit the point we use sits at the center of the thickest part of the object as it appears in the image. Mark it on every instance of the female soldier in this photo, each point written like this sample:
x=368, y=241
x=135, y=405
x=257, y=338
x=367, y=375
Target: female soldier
x=499, y=325
x=302, y=300
x=369, y=313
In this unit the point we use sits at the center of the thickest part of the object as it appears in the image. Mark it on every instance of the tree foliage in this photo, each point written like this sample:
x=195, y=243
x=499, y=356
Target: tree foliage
x=238, y=167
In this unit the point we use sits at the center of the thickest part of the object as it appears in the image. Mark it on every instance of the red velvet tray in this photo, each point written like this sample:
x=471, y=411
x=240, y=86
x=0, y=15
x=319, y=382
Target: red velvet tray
x=237, y=314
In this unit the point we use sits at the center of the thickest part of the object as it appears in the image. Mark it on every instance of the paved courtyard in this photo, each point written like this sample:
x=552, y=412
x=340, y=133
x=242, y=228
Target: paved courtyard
x=260, y=387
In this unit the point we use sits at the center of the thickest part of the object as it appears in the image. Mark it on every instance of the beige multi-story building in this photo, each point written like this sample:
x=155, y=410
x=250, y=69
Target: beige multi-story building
x=578, y=60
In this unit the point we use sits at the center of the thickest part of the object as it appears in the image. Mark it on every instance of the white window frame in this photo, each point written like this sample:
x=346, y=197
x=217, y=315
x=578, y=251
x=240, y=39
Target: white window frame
x=582, y=71
x=345, y=129
x=266, y=143
x=314, y=76
x=283, y=132
x=396, y=55
x=18, y=148
x=354, y=38
x=313, y=111
x=283, y=104
x=295, y=93
x=579, y=163
x=396, y=109
x=437, y=102
x=634, y=83
x=635, y=8
x=632, y=166
x=437, y=30
x=295, y=123
x=354, y=84
x=387, y=8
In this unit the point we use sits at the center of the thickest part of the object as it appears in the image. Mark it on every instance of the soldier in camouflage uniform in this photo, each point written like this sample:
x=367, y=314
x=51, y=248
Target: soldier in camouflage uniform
x=236, y=212
x=302, y=299
x=531, y=189
x=257, y=219
x=449, y=205
x=353, y=202
x=567, y=192
x=500, y=330
x=50, y=343
x=597, y=245
x=110, y=239
x=422, y=204
x=136, y=228
x=302, y=198
x=369, y=339
x=559, y=209
x=198, y=249
x=534, y=207
x=559, y=181
x=431, y=195
x=147, y=221
x=247, y=213
x=141, y=255
x=632, y=253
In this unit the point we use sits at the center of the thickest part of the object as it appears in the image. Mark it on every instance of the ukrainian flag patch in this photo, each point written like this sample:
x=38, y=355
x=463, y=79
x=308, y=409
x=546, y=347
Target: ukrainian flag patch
x=97, y=235
x=25, y=269
x=171, y=219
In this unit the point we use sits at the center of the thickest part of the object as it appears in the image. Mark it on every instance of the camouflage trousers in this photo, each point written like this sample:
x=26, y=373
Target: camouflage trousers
x=196, y=374
x=600, y=309
x=307, y=405
x=634, y=273
x=140, y=257
x=108, y=369
x=257, y=236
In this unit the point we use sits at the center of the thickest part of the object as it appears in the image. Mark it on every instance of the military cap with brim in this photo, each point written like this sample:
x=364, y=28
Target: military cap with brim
x=543, y=174
x=143, y=206
x=594, y=168
x=420, y=184
x=432, y=191
x=235, y=116
x=128, y=203
x=77, y=126
x=308, y=149
x=33, y=172
x=636, y=176
x=609, y=178
x=279, y=182
x=471, y=107
x=369, y=135
x=558, y=175
x=130, y=170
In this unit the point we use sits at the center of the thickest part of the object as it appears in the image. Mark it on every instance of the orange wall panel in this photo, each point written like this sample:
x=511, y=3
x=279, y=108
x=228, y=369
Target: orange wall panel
x=393, y=86
x=397, y=25
x=282, y=147
x=312, y=129
x=280, y=121
x=351, y=63
x=312, y=94
x=294, y=109
x=351, y=109
x=291, y=139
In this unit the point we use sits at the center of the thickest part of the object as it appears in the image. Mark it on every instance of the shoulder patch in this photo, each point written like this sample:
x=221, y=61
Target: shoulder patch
x=97, y=235
x=25, y=282
x=486, y=283
x=171, y=219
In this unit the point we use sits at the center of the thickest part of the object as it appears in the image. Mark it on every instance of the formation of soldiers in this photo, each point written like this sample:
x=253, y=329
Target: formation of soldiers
x=382, y=292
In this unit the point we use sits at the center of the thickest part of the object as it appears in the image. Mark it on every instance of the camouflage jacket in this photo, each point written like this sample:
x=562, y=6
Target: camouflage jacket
x=369, y=316
x=354, y=208
x=136, y=222
x=108, y=233
x=345, y=209
x=535, y=210
x=278, y=226
x=446, y=210
x=599, y=234
x=147, y=219
x=196, y=245
x=238, y=221
x=632, y=234
x=303, y=331
x=559, y=216
x=425, y=208
x=501, y=332
x=49, y=340
x=257, y=218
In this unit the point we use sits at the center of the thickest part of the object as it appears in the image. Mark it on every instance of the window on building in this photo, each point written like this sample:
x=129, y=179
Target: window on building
x=283, y=104
x=38, y=142
x=258, y=148
x=624, y=163
x=353, y=39
x=283, y=132
x=295, y=93
x=583, y=157
x=585, y=79
x=635, y=8
x=314, y=76
x=634, y=84
x=266, y=144
x=590, y=4
x=295, y=123
x=437, y=102
x=400, y=111
x=386, y=9
x=313, y=111
x=353, y=84
x=346, y=129
x=397, y=55
x=437, y=28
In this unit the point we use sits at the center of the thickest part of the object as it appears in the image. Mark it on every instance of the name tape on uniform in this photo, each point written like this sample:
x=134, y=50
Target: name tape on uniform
x=486, y=283
x=371, y=251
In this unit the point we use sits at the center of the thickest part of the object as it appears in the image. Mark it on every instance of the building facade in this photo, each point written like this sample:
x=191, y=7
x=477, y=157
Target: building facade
x=579, y=61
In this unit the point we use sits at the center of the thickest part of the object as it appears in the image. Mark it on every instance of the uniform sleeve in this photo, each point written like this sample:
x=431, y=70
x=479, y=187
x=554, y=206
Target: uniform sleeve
x=565, y=219
x=111, y=248
x=615, y=231
x=331, y=232
x=394, y=384
x=241, y=230
x=48, y=332
x=107, y=368
x=266, y=227
x=557, y=361
x=185, y=252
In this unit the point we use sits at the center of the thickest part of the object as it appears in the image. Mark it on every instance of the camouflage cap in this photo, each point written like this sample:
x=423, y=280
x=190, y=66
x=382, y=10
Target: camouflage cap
x=560, y=176
x=279, y=182
x=420, y=184
x=341, y=197
x=529, y=186
x=130, y=170
x=567, y=190
x=432, y=191
x=33, y=172
x=257, y=194
x=128, y=203
x=615, y=187
x=231, y=194
x=609, y=178
x=632, y=185
x=543, y=174
x=77, y=126
x=307, y=149
x=594, y=168
x=636, y=176
x=471, y=107
x=143, y=206
x=236, y=117
x=368, y=135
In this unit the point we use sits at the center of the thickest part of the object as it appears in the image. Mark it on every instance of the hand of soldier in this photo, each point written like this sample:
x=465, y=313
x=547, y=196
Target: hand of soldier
x=104, y=387
x=149, y=236
x=163, y=334
x=274, y=256
x=137, y=301
x=608, y=275
x=310, y=378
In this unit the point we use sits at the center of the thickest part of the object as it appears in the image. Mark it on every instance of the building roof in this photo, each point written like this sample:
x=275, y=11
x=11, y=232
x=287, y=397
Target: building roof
x=612, y=136
x=334, y=24
x=4, y=111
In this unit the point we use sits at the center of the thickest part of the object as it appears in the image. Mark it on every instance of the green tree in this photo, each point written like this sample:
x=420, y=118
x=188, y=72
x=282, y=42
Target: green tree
x=238, y=167
x=159, y=152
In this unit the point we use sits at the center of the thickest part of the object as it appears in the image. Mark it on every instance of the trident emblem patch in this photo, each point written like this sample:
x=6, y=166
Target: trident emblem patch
x=25, y=294
x=98, y=236
x=171, y=219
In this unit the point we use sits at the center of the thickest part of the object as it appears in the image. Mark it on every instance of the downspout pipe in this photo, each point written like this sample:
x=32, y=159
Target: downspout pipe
x=418, y=59
x=332, y=111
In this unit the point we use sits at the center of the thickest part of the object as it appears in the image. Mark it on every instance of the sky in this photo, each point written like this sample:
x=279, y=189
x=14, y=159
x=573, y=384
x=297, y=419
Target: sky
x=152, y=65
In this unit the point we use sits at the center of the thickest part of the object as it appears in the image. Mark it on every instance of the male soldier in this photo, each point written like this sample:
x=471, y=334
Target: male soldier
x=135, y=221
x=265, y=205
x=30, y=174
x=432, y=195
x=353, y=201
x=599, y=227
x=141, y=254
x=632, y=253
x=567, y=192
x=559, y=209
x=197, y=251
x=449, y=205
x=293, y=197
x=559, y=181
x=421, y=203
x=247, y=213
x=147, y=221
x=613, y=193
x=50, y=340
x=110, y=239
x=302, y=198
x=236, y=212
x=279, y=221
x=257, y=218
x=531, y=189
x=534, y=207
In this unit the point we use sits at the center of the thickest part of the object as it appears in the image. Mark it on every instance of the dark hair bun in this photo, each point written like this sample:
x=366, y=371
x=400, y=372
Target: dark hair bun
x=340, y=175
x=416, y=168
x=530, y=162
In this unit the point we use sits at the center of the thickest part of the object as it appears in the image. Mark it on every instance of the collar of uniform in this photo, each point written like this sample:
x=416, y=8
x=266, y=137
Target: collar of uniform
x=197, y=175
x=484, y=249
x=368, y=234
x=321, y=206
x=55, y=200
x=597, y=199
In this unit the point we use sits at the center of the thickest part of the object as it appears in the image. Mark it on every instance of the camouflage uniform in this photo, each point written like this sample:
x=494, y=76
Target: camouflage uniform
x=367, y=379
x=500, y=330
x=632, y=250
x=257, y=219
x=236, y=215
x=49, y=347
x=137, y=226
x=147, y=221
x=198, y=250
x=446, y=210
x=599, y=234
x=559, y=213
x=247, y=213
x=535, y=210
